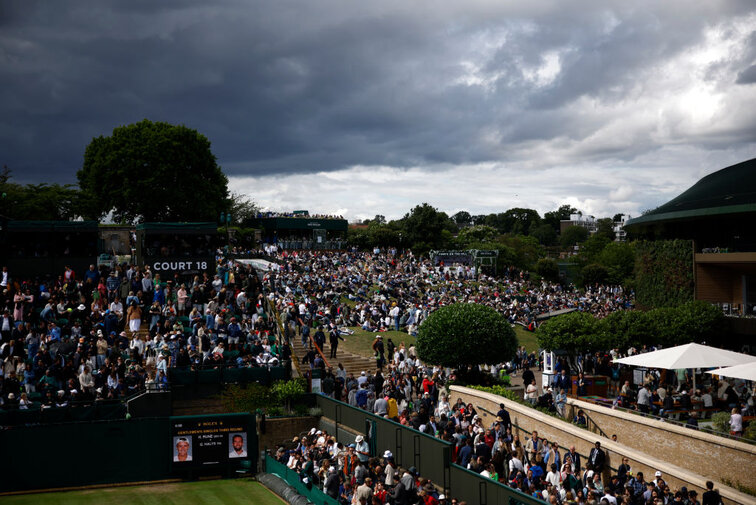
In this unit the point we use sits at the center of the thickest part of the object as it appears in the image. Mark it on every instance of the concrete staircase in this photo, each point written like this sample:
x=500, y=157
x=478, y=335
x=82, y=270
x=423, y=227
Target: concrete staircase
x=353, y=363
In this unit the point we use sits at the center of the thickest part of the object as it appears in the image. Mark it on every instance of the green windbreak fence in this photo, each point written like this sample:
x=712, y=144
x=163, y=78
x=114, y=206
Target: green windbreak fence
x=36, y=415
x=431, y=456
x=65, y=455
x=263, y=375
x=291, y=477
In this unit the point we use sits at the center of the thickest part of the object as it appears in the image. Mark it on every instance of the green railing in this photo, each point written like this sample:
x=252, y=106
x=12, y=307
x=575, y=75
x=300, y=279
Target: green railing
x=430, y=455
x=309, y=491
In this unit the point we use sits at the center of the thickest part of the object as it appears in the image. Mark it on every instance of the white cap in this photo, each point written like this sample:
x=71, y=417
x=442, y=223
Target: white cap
x=657, y=474
x=359, y=439
x=441, y=497
x=388, y=454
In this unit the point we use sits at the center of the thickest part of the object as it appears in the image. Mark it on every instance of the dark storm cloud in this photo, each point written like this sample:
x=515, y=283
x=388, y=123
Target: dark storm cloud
x=283, y=87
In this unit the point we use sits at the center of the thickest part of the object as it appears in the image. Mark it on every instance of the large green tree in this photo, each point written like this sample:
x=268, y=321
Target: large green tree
x=425, y=228
x=153, y=171
x=465, y=334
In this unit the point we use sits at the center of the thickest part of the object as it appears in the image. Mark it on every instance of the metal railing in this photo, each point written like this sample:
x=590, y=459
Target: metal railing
x=430, y=455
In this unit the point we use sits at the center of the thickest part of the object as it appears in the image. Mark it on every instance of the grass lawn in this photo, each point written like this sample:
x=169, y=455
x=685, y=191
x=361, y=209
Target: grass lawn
x=361, y=342
x=526, y=338
x=238, y=491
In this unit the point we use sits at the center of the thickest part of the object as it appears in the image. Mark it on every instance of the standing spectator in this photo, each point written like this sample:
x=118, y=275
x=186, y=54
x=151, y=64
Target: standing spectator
x=736, y=423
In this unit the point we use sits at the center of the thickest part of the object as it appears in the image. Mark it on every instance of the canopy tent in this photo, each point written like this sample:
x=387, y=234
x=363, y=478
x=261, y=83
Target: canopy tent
x=687, y=356
x=746, y=371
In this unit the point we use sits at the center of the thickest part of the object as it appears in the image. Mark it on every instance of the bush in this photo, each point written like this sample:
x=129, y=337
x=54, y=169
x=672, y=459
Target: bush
x=721, y=422
x=247, y=398
x=286, y=392
x=465, y=334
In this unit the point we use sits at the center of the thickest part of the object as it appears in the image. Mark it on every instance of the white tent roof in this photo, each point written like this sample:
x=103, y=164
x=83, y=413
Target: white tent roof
x=687, y=356
x=746, y=371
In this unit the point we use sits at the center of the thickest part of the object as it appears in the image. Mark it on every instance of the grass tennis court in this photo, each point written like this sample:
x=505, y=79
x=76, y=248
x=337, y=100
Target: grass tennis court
x=215, y=492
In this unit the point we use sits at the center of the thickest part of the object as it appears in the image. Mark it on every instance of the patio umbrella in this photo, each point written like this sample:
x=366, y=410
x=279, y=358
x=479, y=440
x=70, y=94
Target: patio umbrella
x=687, y=356
x=746, y=371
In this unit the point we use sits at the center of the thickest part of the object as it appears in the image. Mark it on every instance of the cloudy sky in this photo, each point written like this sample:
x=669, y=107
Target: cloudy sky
x=364, y=108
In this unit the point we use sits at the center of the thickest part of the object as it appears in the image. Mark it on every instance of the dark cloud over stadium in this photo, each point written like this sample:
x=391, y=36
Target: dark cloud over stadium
x=609, y=106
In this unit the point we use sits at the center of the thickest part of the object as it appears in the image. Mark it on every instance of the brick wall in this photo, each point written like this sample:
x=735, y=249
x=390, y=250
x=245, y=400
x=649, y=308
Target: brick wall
x=711, y=456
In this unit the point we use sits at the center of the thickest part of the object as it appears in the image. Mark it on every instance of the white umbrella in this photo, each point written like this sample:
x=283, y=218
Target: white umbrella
x=746, y=371
x=687, y=356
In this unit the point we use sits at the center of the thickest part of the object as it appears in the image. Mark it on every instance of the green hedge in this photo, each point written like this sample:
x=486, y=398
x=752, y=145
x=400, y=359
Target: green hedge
x=663, y=273
x=576, y=332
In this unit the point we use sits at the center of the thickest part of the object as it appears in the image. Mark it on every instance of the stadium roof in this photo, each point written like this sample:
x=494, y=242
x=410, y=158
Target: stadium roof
x=731, y=190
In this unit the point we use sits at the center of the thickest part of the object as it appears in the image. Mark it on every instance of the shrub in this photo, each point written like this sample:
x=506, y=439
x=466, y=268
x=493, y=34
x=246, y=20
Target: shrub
x=465, y=334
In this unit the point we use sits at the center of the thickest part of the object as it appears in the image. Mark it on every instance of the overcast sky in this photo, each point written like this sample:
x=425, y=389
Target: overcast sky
x=364, y=108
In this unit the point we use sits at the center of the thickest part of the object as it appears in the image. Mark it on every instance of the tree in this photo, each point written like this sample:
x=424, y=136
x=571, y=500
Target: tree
x=573, y=235
x=153, y=172
x=462, y=218
x=519, y=221
x=476, y=235
x=548, y=269
x=594, y=274
x=619, y=260
x=43, y=202
x=574, y=332
x=241, y=208
x=426, y=228
x=605, y=228
x=545, y=234
x=554, y=217
x=465, y=334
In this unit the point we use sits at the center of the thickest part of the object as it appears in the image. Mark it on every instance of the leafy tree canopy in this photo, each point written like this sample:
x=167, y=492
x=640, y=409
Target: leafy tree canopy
x=554, y=217
x=462, y=218
x=42, y=202
x=425, y=228
x=695, y=321
x=465, y=334
x=548, y=269
x=153, y=171
x=573, y=235
x=476, y=235
x=605, y=228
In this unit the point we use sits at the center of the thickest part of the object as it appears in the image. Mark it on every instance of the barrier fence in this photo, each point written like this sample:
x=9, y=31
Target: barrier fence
x=309, y=491
x=108, y=452
x=431, y=456
x=99, y=411
x=189, y=383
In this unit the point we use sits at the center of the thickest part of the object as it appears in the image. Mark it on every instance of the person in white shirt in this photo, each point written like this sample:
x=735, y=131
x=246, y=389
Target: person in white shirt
x=736, y=423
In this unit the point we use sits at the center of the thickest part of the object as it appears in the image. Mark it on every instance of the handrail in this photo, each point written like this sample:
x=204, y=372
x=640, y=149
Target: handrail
x=279, y=325
x=328, y=365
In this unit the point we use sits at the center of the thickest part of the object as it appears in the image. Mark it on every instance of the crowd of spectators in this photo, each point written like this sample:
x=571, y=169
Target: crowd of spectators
x=550, y=470
x=104, y=334
x=389, y=291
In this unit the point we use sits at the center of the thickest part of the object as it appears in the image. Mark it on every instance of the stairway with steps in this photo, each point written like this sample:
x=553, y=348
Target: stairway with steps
x=353, y=363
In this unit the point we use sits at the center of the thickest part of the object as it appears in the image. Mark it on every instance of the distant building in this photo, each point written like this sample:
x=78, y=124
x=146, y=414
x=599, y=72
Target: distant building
x=717, y=214
x=588, y=222
x=620, y=235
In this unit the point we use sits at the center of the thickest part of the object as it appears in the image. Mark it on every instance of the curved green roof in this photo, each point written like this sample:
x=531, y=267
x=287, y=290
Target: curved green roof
x=731, y=190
